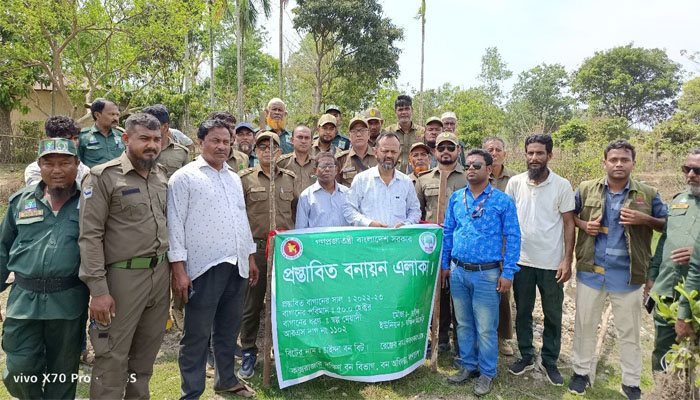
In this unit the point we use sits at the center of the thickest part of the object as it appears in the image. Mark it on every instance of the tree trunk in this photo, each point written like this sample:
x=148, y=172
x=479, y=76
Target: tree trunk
x=186, y=112
x=5, y=122
x=422, y=63
x=239, y=61
x=211, y=56
x=281, y=82
x=318, y=87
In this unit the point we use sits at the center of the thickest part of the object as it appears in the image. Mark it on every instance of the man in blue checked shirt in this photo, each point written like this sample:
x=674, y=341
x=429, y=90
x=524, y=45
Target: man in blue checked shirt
x=477, y=220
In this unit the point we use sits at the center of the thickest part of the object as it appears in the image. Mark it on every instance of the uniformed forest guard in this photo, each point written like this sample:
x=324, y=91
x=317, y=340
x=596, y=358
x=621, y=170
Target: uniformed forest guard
x=173, y=156
x=47, y=305
x=103, y=141
x=360, y=157
x=299, y=161
x=256, y=188
x=340, y=141
x=123, y=244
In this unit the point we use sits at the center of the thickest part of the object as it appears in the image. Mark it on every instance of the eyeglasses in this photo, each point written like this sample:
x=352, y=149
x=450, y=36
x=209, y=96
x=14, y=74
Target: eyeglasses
x=326, y=166
x=477, y=165
x=686, y=169
x=359, y=131
x=448, y=147
x=263, y=147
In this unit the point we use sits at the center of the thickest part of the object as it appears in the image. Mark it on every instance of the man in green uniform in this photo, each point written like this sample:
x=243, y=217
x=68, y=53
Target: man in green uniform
x=418, y=160
x=256, y=189
x=340, y=141
x=684, y=324
x=405, y=129
x=103, y=141
x=375, y=122
x=327, y=131
x=299, y=160
x=360, y=157
x=276, y=120
x=123, y=244
x=669, y=266
x=173, y=156
x=47, y=306
x=245, y=143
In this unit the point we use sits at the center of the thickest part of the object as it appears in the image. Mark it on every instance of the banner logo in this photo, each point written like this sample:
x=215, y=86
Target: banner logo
x=291, y=248
x=428, y=242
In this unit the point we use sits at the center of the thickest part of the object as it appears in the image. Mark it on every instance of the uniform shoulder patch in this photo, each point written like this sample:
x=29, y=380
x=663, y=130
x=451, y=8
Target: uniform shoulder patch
x=120, y=129
x=340, y=154
x=288, y=172
x=678, y=194
x=178, y=146
x=285, y=157
x=245, y=172
x=21, y=191
x=97, y=170
x=424, y=172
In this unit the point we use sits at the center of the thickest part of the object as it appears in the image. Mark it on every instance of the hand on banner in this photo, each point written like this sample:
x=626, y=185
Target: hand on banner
x=503, y=285
x=682, y=256
x=180, y=281
x=253, y=271
x=398, y=225
x=444, y=278
x=375, y=224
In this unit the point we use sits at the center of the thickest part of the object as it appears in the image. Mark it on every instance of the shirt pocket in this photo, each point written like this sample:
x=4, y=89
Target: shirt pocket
x=593, y=208
x=398, y=206
x=257, y=194
x=73, y=227
x=134, y=205
x=29, y=229
x=94, y=147
x=677, y=212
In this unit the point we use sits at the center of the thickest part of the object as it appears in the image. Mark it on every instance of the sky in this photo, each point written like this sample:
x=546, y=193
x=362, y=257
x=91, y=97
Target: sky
x=526, y=33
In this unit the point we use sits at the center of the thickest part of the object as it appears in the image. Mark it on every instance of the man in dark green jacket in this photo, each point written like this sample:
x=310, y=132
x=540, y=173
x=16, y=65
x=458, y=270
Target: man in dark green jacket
x=101, y=142
x=47, y=305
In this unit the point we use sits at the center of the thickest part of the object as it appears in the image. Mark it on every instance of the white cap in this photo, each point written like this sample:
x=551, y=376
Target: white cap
x=448, y=114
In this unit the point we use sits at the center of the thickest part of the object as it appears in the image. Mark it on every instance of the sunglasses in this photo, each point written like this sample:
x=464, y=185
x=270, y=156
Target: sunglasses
x=477, y=165
x=448, y=147
x=686, y=169
x=326, y=166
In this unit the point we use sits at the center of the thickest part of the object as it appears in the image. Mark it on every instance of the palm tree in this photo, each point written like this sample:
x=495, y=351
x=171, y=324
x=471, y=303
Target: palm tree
x=246, y=19
x=283, y=4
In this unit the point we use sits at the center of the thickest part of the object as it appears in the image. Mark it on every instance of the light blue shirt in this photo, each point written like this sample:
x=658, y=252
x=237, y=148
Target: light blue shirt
x=370, y=199
x=317, y=207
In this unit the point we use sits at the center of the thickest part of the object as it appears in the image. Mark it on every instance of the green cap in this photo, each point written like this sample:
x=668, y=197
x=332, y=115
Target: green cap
x=333, y=107
x=434, y=119
x=327, y=119
x=358, y=118
x=57, y=146
x=447, y=137
x=373, y=113
x=267, y=135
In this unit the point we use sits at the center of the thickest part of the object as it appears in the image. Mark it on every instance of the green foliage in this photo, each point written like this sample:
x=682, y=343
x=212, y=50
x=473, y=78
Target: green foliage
x=630, y=82
x=477, y=116
x=684, y=124
x=493, y=72
x=608, y=129
x=571, y=134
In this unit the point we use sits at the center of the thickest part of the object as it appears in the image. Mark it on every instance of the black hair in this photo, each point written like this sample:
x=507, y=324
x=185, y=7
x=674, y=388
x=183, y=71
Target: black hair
x=210, y=124
x=325, y=154
x=385, y=135
x=98, y=105
x=159, y=111
x=481, y=152
x=148, y=121
x=403, y=100
x=224, y=116
x=60, y=126
x=619, y=144
x=541, y=138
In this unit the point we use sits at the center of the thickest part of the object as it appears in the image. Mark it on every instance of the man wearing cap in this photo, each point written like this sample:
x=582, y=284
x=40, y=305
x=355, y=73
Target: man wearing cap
x=418, y=160
x=360, y=157
x=375, y=122
x=407, y=132
x=382, y=196
x=428, y=188
x=58, y=126
x=340, y=141
x=322, y=203
x=244, y=144
x=103, y=141
x=433, y=127
x=47, y=306
x=299, y=160
x=276, y=120
x=123, y=244
x=256, y=190
x=327, y=131
x=449, y=124
x=173, y=156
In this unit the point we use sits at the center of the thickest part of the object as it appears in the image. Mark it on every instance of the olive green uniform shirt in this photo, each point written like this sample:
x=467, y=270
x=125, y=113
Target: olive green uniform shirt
x=691, y=283
x=304, y=173
x=174, y=157
x=256, y=189
x=316, y=148
x=407, y=139
x=428, y=187
x=122, y=216
x=681, y=230
x=349, y=167
x=94, y=148
x=37, y=244
x=238, y=160
x=500, y=182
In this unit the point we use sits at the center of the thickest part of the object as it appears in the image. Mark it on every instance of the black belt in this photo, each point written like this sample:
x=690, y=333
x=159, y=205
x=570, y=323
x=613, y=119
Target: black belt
x=477, y=267
x=47, y=285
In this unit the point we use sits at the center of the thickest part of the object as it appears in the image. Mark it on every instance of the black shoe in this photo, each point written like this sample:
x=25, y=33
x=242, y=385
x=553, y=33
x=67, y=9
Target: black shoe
x=247, y=366
x=578, y=384
x=238, y=351
x=521, y=366
x=444, y=346
x=457, y=362
x=631, y=392
x=463, y=376
x=552, y=374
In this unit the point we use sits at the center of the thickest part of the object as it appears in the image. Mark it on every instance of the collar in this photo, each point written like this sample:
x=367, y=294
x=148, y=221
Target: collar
x=547, y=181
x=487, y=189
x=315, y=187
x=627, y=186
x=128, y=166
x=374, y=172
x=39, y=190
x=505, y=172
x=95, y=129
x=370, y=151
x=201, y=162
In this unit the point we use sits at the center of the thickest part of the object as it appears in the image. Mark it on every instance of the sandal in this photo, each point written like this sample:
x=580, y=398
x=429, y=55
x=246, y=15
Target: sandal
x=241, y=390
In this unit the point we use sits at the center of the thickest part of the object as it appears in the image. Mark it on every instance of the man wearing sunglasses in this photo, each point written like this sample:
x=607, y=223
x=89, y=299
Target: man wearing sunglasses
x=477, y=221
x=668, y=267
x=360, y=157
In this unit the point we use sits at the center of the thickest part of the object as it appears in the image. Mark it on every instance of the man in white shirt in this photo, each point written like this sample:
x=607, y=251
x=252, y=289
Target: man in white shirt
x=381, y=196
x=58, y=126
x=322, y=203
x=545, y=205
x=211, y=256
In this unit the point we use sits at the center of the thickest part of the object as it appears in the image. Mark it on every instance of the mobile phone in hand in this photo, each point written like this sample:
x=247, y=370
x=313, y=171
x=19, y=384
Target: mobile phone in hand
x=649, y=304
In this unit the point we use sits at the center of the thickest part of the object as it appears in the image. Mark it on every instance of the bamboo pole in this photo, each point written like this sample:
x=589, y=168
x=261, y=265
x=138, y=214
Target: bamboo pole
x=438, y=287
x=270, y=265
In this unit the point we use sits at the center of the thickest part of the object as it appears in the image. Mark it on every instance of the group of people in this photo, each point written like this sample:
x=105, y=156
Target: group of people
x=113, y=220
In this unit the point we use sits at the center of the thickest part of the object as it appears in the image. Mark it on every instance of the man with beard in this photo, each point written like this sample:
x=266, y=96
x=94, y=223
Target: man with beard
x=322, y=203
x=103, y=141
x=340, y=141
x=256, y=189
x=375, y=122
x=449, y=124
x=433, y=127
x=327, y=130
x=382, y=196
x=405, y=130
x=545, y=204
x=276, y=121
x=173, y=156
x=212, y=258
x=500, y=175
x=360, y=157
x=616, y=217
x=245, y=142
x=123, y=245
x=668, y=266
x=479, y=223
x=47, y=306
x=299, y=161
x=427, y=188
x=418, y=160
